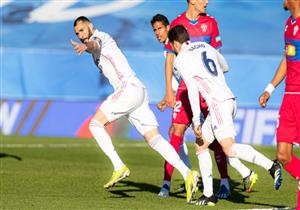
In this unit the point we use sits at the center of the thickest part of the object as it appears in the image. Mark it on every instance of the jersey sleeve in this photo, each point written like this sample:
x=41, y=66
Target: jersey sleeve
x=216, y=40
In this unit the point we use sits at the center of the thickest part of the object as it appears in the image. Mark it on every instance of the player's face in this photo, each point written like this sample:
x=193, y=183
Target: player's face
x=160, y=31
x=290, y=4
x=200, y=5
x=83, y=31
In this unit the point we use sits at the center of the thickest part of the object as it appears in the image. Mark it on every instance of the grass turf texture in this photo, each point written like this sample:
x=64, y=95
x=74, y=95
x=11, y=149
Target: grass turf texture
x=64, y=173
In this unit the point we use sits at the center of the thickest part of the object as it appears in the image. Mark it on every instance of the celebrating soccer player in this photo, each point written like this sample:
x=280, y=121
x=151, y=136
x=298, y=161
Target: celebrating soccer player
x=129, y=99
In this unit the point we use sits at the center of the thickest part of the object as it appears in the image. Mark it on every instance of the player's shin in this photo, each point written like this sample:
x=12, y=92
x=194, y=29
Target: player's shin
x=159, y=144
x=104, y=141
x=205, y=164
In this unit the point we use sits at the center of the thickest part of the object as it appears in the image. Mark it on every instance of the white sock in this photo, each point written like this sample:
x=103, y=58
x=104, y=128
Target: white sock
x=165, y=149
x=105, y=143
x=239, y=166
x=183, y=154
x=205, y=164
x=248, y=153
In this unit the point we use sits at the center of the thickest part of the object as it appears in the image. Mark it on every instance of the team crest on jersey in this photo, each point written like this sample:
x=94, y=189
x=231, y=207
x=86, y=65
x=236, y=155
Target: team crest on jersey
x=290, y=50
x=295, y=31
x=204, y=27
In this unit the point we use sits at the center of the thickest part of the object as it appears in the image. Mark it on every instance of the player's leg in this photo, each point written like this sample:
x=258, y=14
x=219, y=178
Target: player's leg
x=289, y=161
x=220, y=158
x=221, y=161
x=97, y=128
x=176, y=139
x=249, y=177
x=180, y=120
x=288, y=133
x=205, y=163
x=225, y=133
x=145, y=122
x=125, y=99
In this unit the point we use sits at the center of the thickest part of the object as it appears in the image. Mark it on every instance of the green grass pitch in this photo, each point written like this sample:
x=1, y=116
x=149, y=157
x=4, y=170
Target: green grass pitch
x=64, y=173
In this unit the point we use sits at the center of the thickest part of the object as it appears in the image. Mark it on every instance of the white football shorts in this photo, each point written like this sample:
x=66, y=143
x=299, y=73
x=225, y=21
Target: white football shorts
x=130, y=100
x=219, y=122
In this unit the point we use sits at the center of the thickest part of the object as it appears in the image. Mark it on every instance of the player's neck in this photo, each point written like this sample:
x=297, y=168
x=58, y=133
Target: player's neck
x=191, y=14
x=296, y=14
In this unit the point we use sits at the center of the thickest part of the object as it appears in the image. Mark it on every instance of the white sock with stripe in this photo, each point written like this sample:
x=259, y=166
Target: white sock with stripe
x=165, y=149
x=205, y=165
x=104, y=141
x=248, y=153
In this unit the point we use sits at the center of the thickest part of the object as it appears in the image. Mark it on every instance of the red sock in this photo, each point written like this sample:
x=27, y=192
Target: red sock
x=293, y=167
x=175, y=141
x=220, y=157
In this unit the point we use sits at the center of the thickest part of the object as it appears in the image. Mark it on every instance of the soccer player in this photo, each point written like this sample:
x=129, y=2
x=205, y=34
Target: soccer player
x=129, y=99
x=201, y=27
x=160, y=25
x=201, y=67
x=288, y=130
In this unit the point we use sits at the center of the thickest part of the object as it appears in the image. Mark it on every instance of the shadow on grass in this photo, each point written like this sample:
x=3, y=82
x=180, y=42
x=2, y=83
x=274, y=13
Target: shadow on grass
x=124, y=188
x=134, y=187
x=5, y=155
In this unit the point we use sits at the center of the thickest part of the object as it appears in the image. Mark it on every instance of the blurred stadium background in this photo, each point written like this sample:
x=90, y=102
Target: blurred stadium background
x=47, y=90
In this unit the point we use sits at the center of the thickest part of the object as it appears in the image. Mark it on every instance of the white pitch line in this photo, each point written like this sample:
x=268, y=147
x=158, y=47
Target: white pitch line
x=74, y=145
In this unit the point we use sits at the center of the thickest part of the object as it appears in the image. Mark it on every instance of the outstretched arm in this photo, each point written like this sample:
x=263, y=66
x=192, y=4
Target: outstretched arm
x=278, y=77
x=88, y=46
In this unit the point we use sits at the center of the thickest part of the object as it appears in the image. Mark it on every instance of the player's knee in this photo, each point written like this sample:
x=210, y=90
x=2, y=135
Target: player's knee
x=179, y=129
x=283, y=158
x=94, y=123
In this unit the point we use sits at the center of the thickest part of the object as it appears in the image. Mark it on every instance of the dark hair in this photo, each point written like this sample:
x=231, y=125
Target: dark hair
x=81, y=18
x=179, y=34
x=160, y=18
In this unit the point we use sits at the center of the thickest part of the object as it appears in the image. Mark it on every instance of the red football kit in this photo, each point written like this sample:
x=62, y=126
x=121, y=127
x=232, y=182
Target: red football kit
x=204, y=29
x=289, y=114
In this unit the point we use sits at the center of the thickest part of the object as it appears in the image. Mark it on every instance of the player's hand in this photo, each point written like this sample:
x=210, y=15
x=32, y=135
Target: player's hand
x=198, y=131
x=162, y=105
x=78, y=47
x=263, y=99
x=170, y=99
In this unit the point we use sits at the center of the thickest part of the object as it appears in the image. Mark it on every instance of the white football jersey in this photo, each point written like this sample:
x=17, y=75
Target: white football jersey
x=111, y=61
x=201, y=67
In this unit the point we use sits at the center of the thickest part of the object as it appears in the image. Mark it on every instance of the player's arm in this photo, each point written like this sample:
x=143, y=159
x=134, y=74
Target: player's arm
x=93, y=45
x=278, y=77
x=88, y=46
x=169, y=97
x=193, y=95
